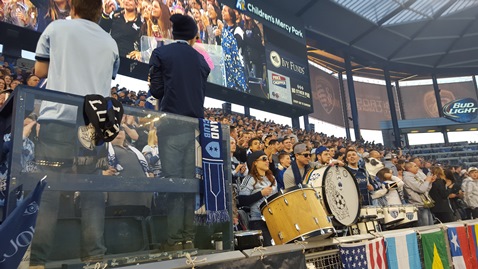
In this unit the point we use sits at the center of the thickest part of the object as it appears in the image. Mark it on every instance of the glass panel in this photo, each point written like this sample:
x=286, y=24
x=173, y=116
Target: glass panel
x=132, y=199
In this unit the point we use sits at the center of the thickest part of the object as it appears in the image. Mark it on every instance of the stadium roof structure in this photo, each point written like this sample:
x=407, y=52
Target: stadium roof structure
x=411, y=38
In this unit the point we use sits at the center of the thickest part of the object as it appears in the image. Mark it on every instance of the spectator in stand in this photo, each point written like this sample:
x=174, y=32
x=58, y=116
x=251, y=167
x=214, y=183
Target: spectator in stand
x=15, y=83
x=178, y=75
x=426, y=167
x=141, y=97
x=470, y=188
x=232, y=39
x=151, y=153
x=4, y=94
x=215, y=25
x=417, y=189
x=33, y=80
x=254, y=53
x=295, y=174
x=129, y=125
x=258, y=184
x=242, y=146
x=361, y=175
x=50, y=10
x=8, y=81
x=19, y=74
x=439, y=193
x=239, y=169
x=123, y=97
x=391, y=185
x=87, y=71
x=128, y=162
x=284, y=164
x=457, y=174
x=124, y=25
x=254, y=145
x=389, y=161
x=2, y=84
x=287, y=145
x=161, y=25
x=456, y=196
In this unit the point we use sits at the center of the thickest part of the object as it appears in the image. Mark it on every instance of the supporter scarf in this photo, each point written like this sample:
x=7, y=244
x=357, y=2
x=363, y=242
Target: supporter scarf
x=213, y=179
x=299, y=179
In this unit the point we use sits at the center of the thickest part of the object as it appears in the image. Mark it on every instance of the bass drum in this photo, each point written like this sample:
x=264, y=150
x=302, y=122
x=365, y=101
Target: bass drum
x=297, y=214
x=339, y=191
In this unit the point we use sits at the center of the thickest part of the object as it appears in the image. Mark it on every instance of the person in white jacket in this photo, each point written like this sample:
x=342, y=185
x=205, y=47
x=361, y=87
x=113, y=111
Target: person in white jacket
x=470, y=187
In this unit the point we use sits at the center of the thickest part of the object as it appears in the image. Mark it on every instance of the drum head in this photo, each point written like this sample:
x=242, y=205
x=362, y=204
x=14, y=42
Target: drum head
x=341, y=194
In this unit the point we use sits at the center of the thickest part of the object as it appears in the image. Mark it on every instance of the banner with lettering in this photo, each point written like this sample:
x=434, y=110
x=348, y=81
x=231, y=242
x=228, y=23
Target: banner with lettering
x=372, y=104
x=420, y=101
x=325, y=92
x=16, y=232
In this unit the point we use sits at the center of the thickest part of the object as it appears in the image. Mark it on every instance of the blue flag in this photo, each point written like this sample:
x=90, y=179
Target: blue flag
x=16, y=233
x=402, y=250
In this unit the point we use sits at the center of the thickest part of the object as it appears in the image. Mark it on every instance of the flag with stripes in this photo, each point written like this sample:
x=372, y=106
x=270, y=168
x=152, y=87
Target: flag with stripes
x=459, y=247
x=400, y=245
x=364, y=255
x=472, y=231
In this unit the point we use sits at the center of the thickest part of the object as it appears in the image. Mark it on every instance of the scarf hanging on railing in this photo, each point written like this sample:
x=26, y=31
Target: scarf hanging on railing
x=213, y=180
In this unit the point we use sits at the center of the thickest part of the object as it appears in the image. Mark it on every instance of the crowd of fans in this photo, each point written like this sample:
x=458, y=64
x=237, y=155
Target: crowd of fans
x=11, y=76
x=385, y=176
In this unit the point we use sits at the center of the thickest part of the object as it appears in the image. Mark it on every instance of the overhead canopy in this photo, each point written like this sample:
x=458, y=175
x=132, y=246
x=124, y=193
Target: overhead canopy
x=411, y=38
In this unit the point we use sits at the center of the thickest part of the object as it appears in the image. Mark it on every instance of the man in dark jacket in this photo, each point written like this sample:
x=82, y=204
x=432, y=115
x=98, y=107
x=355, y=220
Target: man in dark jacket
x=178, y=75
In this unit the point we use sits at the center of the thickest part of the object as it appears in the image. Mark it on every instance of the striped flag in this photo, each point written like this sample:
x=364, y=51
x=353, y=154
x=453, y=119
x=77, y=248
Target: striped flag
x=473, y=241
x=459, y=248
x=400, y=245
x=434, y=249
x=364, y=255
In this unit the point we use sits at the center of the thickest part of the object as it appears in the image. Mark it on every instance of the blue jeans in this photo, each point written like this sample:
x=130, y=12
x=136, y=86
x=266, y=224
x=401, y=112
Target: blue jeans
x=425, y=217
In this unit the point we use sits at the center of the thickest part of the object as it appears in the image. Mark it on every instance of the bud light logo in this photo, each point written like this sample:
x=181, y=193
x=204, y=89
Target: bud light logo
x=462, y=110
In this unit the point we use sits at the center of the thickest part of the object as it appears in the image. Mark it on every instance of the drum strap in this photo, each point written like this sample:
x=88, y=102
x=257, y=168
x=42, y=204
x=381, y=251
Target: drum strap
x=297, y=176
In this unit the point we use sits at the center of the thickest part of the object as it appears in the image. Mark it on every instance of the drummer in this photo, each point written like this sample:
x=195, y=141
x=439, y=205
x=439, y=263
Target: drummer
x=257, y=185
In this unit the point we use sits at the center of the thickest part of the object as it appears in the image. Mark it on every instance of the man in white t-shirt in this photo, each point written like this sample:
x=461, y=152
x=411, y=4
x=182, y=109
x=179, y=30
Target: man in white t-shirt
x=76, y=56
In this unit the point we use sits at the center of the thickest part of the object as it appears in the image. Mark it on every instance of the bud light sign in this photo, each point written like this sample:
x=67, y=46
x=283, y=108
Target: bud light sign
x=462, y=110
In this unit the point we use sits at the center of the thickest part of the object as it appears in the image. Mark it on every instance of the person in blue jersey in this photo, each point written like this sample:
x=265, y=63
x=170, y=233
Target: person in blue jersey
x=361, y=175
